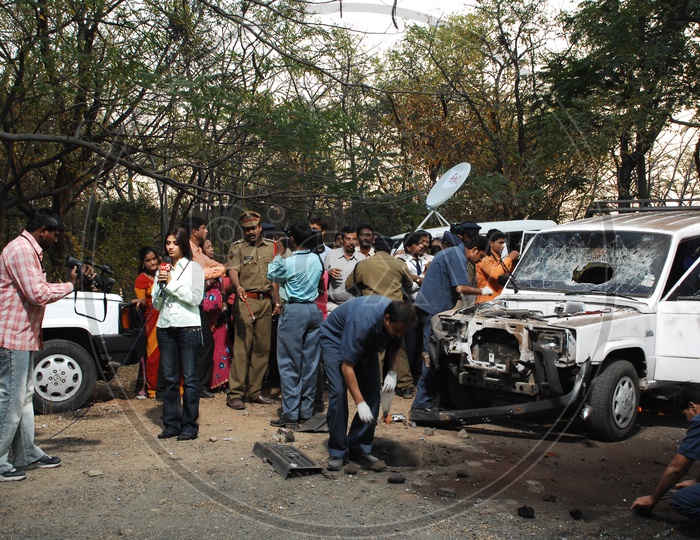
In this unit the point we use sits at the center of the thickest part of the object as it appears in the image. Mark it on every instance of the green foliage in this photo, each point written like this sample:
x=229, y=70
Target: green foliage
x=632, y=65
x=111, y=232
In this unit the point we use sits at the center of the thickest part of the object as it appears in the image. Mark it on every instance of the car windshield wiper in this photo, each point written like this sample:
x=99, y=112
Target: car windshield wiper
x=603, y=292
x=505, y=278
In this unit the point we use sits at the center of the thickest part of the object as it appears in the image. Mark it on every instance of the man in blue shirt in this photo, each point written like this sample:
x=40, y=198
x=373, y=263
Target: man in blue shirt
x=452, y=274
x=351, y=338
x=298, y=330
x=686, y=499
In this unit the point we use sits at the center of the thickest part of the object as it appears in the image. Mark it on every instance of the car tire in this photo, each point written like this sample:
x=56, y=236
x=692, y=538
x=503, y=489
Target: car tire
x=614, y=399
x=64, y=377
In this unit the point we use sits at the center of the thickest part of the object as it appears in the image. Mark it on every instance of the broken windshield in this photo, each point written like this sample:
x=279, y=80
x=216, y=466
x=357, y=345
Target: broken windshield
x=626, y=263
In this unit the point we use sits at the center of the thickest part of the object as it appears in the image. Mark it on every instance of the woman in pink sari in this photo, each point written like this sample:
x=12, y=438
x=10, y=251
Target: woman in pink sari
x=215, y=306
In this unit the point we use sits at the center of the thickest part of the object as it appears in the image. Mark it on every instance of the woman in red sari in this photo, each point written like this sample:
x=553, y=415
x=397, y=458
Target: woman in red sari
x=149, y=262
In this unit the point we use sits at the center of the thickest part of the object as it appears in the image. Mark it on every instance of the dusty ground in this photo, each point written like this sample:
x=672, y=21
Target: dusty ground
x=119, y=481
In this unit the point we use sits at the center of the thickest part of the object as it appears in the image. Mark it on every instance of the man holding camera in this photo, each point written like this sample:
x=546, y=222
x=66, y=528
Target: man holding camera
x=24, y=292
x=299, y=327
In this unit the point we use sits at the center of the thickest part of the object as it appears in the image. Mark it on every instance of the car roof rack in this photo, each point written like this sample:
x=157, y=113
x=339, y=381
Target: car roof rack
x=621, y=206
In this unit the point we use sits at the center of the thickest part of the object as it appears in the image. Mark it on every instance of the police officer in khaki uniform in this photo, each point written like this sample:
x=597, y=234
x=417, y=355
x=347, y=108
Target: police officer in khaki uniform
x=247, y=269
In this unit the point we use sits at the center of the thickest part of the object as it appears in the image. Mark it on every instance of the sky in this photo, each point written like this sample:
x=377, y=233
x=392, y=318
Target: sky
x=374, y=16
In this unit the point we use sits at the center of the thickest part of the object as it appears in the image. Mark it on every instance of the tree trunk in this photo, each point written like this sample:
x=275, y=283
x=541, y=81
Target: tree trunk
x=624, y=171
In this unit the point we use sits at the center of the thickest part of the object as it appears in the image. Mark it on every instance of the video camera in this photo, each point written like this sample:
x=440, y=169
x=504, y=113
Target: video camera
x=99, y=282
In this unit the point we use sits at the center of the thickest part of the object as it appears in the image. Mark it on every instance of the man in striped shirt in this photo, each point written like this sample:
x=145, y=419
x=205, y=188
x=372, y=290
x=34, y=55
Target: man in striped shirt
x=24, y=292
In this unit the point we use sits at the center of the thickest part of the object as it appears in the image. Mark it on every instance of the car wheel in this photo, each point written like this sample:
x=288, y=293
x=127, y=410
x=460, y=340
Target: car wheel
x=64, y=377
x=614, y=400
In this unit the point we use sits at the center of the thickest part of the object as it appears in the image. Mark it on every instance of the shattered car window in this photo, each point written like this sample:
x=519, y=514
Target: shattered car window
x=626, y=263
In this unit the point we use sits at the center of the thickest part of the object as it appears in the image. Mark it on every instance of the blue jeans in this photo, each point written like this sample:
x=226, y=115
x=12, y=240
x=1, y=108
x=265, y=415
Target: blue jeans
x=178, y=354
x=427, y=385
x=687, y=501
x=16, y=409
x=298, y=353
x=359, y=439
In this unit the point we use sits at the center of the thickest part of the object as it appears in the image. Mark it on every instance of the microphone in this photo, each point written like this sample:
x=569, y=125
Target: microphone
x=165, y=267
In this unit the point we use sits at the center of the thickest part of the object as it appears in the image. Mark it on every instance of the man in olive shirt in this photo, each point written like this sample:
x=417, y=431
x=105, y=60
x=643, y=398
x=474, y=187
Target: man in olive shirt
x=247, y=269
x=381, y=274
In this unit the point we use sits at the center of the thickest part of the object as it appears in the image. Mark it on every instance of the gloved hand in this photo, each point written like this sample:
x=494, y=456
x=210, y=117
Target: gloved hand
x=364, y=413
x=389, y=382
x=486, y=291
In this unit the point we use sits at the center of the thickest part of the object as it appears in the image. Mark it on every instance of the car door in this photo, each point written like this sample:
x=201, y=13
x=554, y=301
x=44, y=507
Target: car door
x=678, y=330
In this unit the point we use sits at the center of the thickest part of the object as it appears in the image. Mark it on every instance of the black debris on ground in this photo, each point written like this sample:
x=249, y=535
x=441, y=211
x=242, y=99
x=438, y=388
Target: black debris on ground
x=396, y=478
x=446, y=492
x=526, y=512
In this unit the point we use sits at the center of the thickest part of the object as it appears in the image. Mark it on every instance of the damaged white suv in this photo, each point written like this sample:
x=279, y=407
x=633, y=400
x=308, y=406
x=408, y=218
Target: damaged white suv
x=596, y=311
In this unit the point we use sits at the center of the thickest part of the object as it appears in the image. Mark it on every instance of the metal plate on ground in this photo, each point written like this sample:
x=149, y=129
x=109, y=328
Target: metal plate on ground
x=315, y=424
x=286, y=460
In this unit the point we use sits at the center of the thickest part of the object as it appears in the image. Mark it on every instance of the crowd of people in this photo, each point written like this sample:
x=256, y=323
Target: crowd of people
x=314, y=316
x=342, y=312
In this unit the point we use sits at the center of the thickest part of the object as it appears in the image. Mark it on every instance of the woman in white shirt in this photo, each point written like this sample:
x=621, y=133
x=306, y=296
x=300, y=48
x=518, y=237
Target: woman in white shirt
x=179, y=292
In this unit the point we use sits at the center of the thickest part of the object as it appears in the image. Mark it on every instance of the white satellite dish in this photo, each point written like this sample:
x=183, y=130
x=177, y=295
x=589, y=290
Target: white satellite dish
x=447, y=185
x=444, y=188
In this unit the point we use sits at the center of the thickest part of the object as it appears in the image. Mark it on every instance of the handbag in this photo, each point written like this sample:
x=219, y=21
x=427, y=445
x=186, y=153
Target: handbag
x=213, y=299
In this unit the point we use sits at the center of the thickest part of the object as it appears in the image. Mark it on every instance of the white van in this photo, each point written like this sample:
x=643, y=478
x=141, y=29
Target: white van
x=518, y=232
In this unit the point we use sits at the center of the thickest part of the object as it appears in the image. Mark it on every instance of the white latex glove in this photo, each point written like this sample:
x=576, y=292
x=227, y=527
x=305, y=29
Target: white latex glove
x=389, y=382
x=364, y=413
x=486, y=291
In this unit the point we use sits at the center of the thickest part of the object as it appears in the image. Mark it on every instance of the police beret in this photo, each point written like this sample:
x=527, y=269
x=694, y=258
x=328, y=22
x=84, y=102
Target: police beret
x=469, y=227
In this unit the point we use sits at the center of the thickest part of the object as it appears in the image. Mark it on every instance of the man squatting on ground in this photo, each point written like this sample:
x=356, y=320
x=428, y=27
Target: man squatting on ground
x=24, y=293
x=686, y=499
x=351, y=338
x=299, y=327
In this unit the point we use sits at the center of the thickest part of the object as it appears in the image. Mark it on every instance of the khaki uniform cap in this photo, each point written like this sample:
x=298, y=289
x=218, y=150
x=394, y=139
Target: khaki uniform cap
x=249, y=219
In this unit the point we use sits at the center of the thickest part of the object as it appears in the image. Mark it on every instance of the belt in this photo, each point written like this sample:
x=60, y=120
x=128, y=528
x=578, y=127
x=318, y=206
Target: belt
x=300, y=301
x=257, y=295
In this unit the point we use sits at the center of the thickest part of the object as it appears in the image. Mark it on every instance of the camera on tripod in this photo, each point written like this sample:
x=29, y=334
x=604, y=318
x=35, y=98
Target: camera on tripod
x=98, y=282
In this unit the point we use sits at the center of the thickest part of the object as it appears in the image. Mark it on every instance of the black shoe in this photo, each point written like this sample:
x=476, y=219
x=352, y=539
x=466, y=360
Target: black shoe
x=283, y=422
x=406, y=393
x=45, y=462
x=369, y=461
x=364, y=459
x=13, y=475
x=206, y=394
x=186, y=436
x=335, y=463
x=168, y=434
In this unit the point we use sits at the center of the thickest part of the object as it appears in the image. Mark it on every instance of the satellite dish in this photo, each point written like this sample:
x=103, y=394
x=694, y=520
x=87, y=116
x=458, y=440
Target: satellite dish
x=448, y=184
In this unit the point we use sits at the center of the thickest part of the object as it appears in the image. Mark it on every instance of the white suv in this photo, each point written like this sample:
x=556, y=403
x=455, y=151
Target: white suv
x=87, y=335
x=596, y=311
